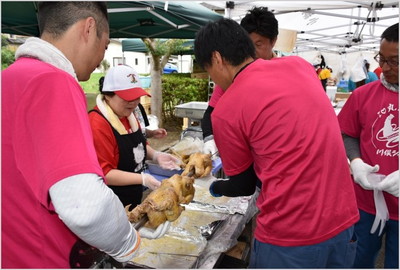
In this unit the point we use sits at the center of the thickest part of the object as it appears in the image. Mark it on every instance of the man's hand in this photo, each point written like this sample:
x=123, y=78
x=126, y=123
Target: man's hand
x=154, y=234
x=360, y=170
x=149, y=181
x=210, y=147
x=390, y=184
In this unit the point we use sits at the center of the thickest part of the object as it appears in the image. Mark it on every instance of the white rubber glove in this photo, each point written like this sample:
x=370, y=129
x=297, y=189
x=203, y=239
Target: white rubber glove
x=390, y=184
x=210, y=147
x=166, y=161
x=149, y=181
x=360, y=170
x=154, y=234
x=382, y=214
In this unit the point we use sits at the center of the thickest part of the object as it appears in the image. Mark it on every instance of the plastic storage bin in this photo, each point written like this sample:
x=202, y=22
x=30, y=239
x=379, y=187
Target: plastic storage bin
x=145, y=81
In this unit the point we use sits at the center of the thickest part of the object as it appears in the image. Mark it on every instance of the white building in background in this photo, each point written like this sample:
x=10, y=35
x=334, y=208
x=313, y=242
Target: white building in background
x=115, y=56
x=141, y=61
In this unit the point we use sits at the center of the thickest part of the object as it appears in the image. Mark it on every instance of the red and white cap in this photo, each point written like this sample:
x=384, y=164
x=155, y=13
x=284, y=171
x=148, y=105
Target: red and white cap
x=124, y=81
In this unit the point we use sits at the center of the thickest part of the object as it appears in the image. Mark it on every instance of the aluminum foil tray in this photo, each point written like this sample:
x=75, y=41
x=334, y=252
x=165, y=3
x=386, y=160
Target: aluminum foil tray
x=182, y=244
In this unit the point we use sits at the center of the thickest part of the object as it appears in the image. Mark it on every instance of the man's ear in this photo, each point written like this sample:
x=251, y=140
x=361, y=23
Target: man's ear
x=273, y=41
x=217, y=59
x=90, y=28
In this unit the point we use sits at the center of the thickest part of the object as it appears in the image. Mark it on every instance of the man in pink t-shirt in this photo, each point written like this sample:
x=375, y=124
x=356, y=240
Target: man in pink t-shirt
x=370, y=125
x=55, y=205
x=271, y=128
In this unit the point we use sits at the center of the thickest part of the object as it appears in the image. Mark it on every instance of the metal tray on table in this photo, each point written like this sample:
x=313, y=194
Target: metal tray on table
x=193, y=110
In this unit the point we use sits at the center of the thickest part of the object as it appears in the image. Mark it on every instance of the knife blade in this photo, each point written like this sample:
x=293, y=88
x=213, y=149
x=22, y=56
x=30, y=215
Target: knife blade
x=141, y=222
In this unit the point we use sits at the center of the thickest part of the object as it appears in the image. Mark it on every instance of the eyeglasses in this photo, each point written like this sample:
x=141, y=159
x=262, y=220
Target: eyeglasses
x=391, y=63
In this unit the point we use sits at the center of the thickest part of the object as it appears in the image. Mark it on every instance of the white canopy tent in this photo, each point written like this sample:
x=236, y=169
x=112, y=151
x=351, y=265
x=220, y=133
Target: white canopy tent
x=336, y=26
x=342, y=31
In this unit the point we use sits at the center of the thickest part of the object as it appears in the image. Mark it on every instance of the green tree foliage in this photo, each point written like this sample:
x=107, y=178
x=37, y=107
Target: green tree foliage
x=160, y=52
x=181, y=88
x=4, y=41
x=105, y=65
x=7, y=55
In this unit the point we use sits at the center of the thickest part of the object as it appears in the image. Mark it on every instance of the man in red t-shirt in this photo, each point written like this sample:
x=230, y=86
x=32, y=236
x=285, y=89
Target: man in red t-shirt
x=281, y=129
x=262, y=27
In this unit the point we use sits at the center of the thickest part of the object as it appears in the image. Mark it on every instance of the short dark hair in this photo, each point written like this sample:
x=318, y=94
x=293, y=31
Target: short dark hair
x=391, y=33
x=261, y=21
x=226, y=37
x=101, y=83
x=56, y=17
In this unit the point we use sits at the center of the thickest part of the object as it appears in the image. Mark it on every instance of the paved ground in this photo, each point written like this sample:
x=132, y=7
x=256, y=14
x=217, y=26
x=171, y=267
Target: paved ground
x=174, y=129
x=163, y=144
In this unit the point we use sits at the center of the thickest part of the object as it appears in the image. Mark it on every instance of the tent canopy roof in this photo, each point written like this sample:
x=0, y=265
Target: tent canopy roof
x=157, y=19
x=331, y=26
x=326, y=26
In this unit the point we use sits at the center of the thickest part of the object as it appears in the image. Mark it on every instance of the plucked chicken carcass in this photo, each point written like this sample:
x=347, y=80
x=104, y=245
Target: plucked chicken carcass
x=164, y=203
x=197, y=164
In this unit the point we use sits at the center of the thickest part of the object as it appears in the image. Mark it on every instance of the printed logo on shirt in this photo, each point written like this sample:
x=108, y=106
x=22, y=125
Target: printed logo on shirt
x=385, y=132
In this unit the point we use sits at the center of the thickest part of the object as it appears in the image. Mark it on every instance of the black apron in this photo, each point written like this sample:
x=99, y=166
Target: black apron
x=132, y=157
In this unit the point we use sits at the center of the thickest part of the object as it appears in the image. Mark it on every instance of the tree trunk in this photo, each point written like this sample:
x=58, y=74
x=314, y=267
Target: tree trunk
x=156, y=90
x=158, y=61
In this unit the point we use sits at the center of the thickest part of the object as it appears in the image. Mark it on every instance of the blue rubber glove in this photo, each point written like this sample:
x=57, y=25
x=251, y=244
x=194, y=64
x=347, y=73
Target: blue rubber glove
x=211, y=189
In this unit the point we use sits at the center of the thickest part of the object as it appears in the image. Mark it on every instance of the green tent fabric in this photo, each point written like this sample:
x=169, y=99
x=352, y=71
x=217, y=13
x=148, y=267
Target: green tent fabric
x=153, y=19
x=19, y=18
x=137, y=45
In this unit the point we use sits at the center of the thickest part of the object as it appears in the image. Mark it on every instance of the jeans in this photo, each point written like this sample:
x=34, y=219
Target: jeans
x=369, y=244
x=337, y=252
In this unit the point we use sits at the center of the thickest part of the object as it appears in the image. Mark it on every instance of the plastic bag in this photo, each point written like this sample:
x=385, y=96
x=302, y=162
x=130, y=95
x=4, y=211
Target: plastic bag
x=153, y=122
x=188, y=145
x=358, y=72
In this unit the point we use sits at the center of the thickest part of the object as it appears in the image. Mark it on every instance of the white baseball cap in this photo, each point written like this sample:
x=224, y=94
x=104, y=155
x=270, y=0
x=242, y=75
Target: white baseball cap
x=124, y=81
